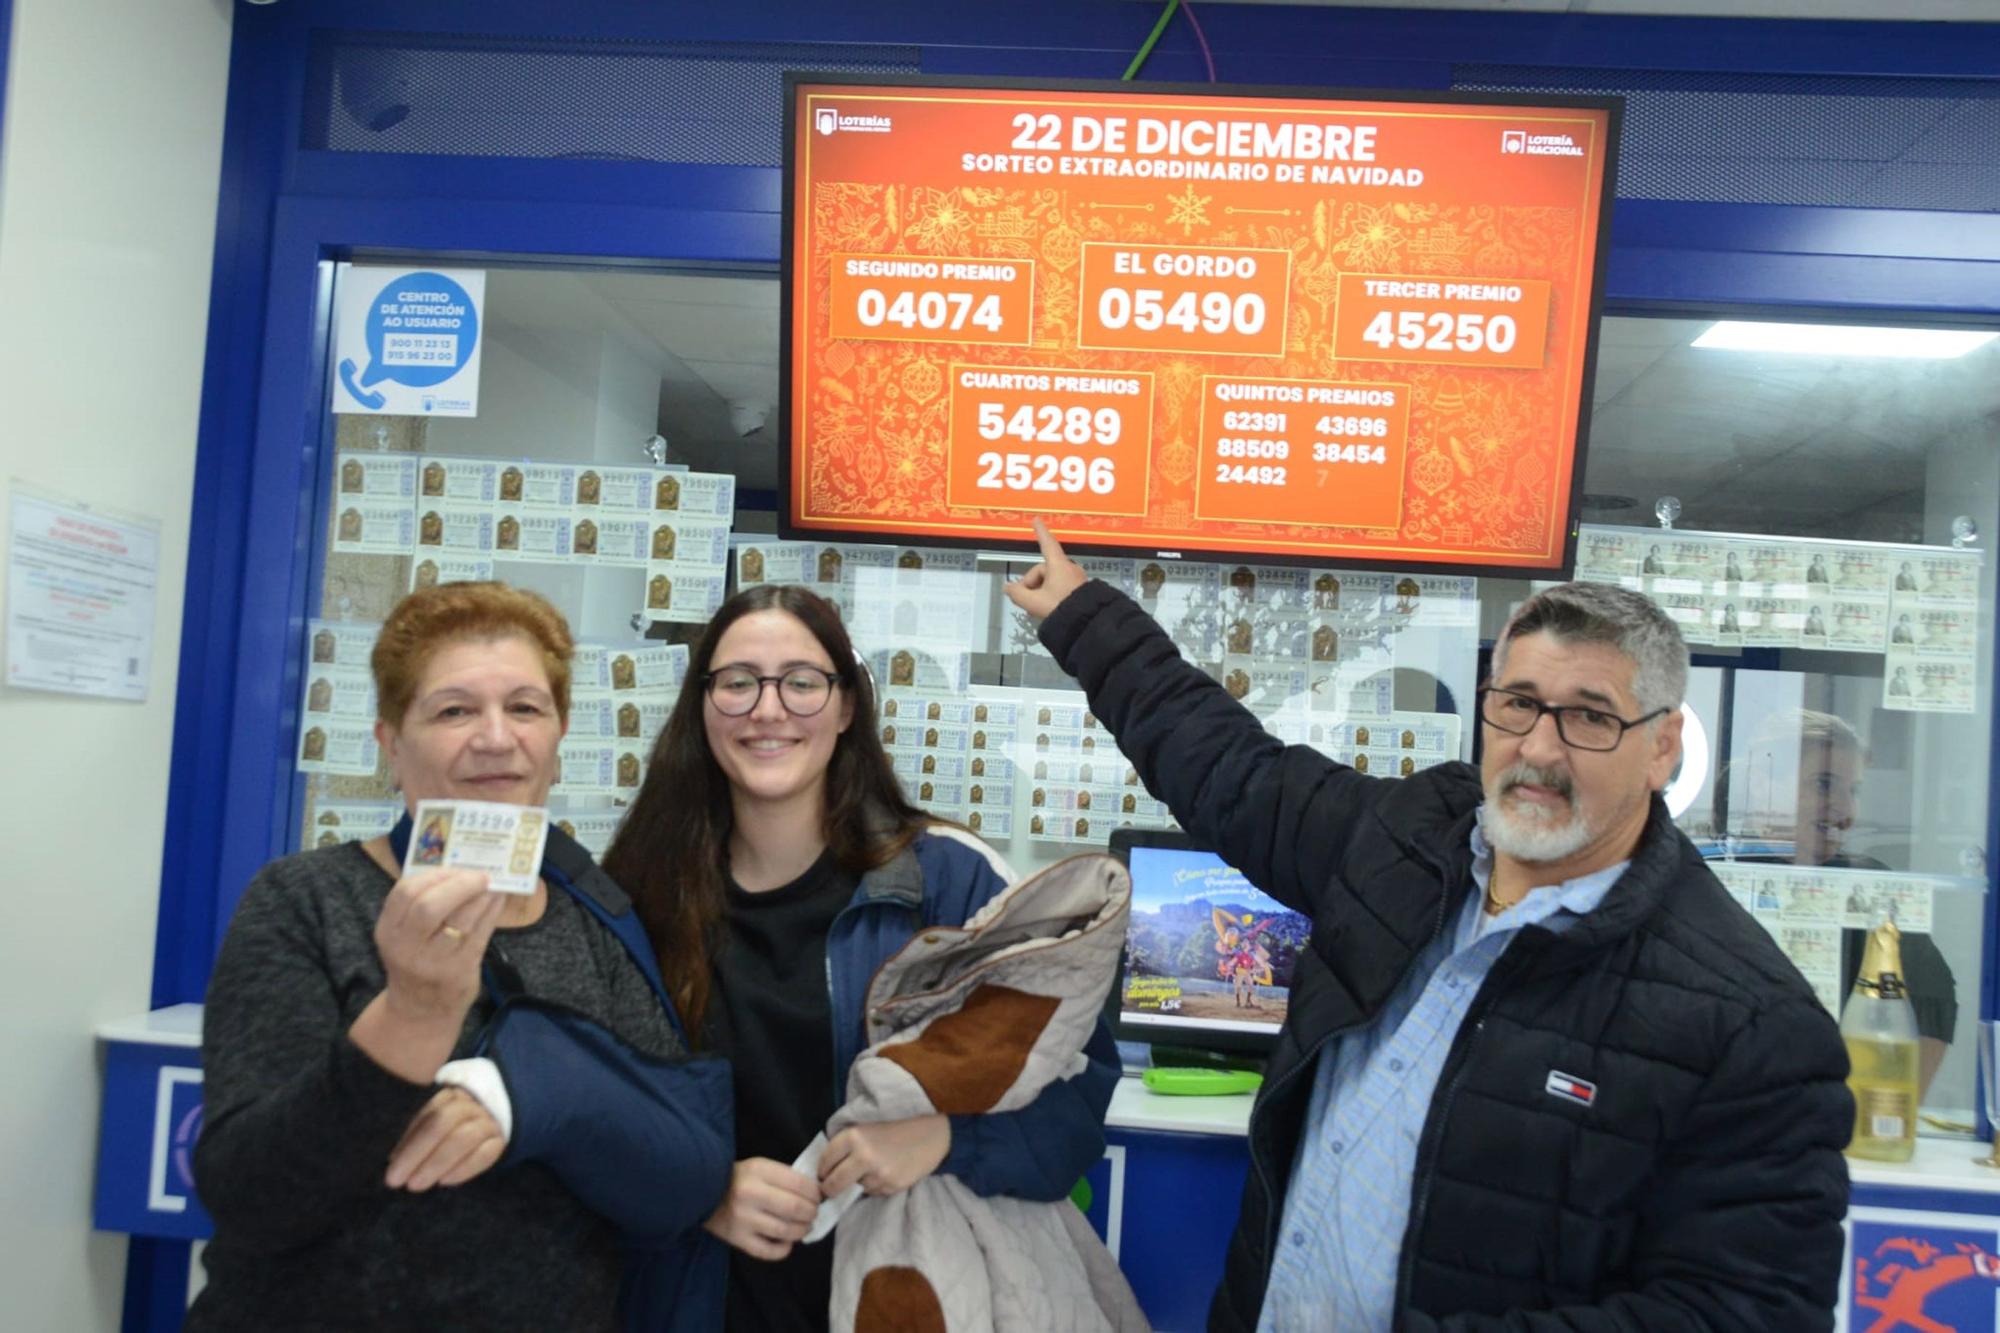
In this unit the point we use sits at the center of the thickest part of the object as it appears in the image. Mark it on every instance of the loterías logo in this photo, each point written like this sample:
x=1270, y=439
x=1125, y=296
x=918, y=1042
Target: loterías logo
x=1923, y=1279
x=1520, y=143
x=828, y=120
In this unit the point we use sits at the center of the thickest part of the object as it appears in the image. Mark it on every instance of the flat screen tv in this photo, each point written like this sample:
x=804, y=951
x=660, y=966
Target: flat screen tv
x=1336, y=328
x=1208, y=955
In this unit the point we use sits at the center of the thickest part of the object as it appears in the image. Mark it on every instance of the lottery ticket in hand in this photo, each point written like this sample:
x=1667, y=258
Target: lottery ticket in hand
x=505, y=841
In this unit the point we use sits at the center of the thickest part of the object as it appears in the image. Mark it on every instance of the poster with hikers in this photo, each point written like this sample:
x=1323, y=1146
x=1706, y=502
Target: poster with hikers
x=1205, y=947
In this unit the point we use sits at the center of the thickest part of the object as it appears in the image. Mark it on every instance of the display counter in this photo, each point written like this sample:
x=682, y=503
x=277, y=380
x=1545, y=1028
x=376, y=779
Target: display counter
x=1925, y=1233
x=1180, y=1163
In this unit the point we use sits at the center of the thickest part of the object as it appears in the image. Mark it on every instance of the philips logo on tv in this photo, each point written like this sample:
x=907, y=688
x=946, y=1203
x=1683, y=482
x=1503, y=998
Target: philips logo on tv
x=827, y=120
x=1520, y=143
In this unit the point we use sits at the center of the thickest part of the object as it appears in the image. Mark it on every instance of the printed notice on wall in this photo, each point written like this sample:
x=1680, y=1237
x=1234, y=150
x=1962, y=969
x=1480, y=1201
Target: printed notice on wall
x=80, y=591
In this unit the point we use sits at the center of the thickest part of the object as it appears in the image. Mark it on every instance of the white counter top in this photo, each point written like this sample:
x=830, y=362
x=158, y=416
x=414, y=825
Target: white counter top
x=1135, y=1106
x=1941, y=1164
x=176, y=1025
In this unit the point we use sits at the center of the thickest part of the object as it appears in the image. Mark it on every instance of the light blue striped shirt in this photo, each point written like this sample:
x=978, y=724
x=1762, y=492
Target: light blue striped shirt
x=1334, y=1263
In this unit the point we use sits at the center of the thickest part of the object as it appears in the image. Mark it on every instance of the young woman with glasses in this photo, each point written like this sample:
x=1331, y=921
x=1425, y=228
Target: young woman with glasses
x=777, y=864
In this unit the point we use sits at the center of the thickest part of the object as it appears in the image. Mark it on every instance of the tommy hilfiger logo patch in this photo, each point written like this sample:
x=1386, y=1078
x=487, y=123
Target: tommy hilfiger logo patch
x=1570, y=1088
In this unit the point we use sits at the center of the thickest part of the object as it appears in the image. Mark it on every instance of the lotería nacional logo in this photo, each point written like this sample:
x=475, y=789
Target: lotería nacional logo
x=1520, y=143
x=1927, y=1278
x=830, y=120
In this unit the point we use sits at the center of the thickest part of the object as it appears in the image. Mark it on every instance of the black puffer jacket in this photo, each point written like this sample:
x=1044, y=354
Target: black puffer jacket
x=1703, y=1189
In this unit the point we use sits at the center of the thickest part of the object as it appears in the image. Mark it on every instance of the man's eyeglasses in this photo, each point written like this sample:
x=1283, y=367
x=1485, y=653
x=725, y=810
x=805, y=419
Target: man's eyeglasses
x=1580, y=727
x=802, y=690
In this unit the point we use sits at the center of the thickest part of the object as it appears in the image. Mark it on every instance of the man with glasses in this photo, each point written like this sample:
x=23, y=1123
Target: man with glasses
x=1539, y=1071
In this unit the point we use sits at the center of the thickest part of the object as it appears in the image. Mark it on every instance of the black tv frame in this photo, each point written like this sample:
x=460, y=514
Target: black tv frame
x=1195, y=1038
x=1025, y=547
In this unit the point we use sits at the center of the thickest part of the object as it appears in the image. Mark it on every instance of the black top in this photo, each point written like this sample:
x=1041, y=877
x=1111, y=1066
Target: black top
x=772, y=1017
x=300, y=1126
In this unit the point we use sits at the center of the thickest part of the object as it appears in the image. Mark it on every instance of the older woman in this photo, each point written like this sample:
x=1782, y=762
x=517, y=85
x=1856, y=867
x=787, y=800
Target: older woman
x=349, y=1188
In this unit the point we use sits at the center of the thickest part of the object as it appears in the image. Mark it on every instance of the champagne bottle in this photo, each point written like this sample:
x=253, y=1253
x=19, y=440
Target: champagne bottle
x=1880, y=1029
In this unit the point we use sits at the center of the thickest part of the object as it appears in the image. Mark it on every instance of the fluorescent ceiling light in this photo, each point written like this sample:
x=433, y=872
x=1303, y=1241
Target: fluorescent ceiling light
x=1843, y=340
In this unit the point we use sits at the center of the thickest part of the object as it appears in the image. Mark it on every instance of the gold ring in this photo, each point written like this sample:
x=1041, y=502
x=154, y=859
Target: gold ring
x=453, y=932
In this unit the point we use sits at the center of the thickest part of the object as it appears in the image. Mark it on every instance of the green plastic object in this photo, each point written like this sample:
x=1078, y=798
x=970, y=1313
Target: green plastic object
x=1174, y=1081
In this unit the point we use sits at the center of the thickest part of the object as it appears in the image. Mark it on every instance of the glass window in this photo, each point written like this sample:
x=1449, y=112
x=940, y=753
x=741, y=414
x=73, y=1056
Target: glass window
x=1830, y=490
x=1828, y=513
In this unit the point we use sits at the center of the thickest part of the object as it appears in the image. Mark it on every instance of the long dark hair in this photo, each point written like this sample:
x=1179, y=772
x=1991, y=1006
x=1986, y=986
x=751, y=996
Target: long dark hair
x=672, y=852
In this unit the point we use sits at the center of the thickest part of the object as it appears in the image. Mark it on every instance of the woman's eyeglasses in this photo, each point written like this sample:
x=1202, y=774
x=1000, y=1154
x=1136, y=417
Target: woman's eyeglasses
x=802, y=690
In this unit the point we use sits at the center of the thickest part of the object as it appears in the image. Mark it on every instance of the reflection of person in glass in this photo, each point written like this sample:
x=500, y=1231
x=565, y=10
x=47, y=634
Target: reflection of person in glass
x=1831, y=764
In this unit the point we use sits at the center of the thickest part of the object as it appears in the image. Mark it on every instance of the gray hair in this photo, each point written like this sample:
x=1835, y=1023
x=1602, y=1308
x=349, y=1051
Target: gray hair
x=1604, y=613
x=1813, y=727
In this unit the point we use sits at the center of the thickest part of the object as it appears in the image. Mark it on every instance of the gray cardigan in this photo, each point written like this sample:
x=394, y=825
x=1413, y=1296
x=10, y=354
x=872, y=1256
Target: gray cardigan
x=299, y=1126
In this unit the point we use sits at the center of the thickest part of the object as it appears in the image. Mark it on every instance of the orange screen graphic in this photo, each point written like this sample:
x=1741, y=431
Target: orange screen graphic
x=1326, y=330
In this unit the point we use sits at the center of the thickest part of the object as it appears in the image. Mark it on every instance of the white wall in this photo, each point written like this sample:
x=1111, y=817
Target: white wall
x=110, y=152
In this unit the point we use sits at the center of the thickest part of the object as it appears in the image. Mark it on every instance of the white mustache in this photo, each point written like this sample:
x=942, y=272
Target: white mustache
x=1525, y=774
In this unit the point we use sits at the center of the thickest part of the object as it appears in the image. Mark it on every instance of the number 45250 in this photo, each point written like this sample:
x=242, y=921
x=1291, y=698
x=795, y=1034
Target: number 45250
x=1441, y=332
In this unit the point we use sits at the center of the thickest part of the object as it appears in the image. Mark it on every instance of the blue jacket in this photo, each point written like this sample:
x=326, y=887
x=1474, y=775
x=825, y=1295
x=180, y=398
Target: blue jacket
x=646, y=1144
x=1043, y=1149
